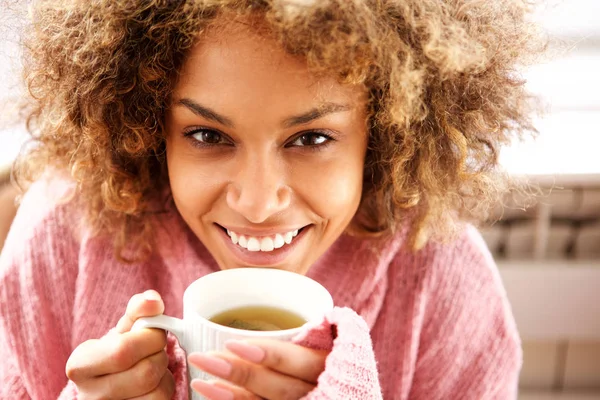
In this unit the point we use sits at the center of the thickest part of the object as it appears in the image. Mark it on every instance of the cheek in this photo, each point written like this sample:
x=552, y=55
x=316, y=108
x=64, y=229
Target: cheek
x=333, y=190
x=194, y=183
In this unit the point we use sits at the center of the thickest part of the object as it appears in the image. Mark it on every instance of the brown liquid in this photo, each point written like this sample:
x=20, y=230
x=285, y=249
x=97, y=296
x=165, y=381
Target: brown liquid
x=259, y=318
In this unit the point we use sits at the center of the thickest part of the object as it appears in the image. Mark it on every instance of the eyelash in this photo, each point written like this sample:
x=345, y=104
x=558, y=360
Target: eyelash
x=193, y=131
x=228, y=142
x=329, y=139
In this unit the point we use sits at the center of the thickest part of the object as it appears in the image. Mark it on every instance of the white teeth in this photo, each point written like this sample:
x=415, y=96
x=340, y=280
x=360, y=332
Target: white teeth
x=288, y=237
x=266, y=244
x=263, y=243
x=253, y=244
x=234, y=237
x=278, y=242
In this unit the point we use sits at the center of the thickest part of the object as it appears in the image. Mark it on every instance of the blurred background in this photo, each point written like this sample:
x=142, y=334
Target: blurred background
x=548, y=254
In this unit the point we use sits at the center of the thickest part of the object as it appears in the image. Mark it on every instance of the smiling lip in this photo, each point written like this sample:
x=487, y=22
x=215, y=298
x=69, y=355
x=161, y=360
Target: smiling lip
x=260, y=258
x=258, y=232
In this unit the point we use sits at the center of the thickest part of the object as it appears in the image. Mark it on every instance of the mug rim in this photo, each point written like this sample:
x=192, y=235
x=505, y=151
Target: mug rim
x=250, y=333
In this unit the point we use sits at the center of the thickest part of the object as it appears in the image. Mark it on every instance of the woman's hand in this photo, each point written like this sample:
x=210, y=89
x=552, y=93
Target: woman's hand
x=259, y=368
x=124, y=364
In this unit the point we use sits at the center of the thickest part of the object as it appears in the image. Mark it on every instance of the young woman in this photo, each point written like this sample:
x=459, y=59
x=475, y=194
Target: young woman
x=352, y=141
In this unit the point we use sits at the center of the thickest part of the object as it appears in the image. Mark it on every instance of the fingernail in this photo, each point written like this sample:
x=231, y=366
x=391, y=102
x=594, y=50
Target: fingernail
x=246, y=351
x=152, y=295
x=211, y=364
x=211, y=391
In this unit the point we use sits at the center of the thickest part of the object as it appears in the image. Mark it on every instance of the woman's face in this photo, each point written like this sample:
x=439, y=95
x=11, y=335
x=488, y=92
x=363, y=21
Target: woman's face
x=265, y=160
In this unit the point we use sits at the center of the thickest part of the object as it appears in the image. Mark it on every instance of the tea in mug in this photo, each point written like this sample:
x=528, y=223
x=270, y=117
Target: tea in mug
x=259, y=318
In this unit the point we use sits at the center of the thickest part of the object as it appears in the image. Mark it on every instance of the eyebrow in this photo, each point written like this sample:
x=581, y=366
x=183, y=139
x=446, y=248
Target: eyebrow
x=205, y=112
x=315, y=113
x=304, y=118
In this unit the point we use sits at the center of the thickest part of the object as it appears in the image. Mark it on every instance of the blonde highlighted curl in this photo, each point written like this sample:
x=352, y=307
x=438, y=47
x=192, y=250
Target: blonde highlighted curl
x=443, y=79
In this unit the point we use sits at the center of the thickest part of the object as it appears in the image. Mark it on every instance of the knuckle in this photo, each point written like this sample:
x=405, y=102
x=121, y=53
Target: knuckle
x=243, y=375
x=92, y=396
x=72, y=370
x=274, y=359
x=148, y=374
x=159, y=337
x=122, y=355
x=313, y=368
x=293, y=391
x=166, y=386
x=246, y=395
x=86, y=393
x=75, y=367
x=163, y=361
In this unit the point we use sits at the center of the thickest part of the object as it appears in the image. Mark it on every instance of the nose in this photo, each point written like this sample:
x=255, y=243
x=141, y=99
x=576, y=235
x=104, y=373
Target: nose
x=258, y=190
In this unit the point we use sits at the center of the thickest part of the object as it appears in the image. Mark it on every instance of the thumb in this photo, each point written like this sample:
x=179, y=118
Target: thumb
x=147, y=304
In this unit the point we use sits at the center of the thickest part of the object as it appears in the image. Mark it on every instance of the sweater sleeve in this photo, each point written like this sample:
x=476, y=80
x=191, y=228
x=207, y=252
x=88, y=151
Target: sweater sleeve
x=469, y=346
x=37, y=277
x=350, y=368
x=54, y=295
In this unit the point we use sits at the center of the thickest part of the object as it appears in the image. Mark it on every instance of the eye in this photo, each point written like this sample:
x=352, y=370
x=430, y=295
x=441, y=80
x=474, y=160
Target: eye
x=207, y=137
x=311, y=139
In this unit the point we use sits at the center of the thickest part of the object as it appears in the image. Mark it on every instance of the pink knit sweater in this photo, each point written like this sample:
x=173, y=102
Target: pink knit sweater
x=440, y=323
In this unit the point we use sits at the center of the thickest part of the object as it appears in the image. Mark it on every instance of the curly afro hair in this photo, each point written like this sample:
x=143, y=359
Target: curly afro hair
x=443, y=77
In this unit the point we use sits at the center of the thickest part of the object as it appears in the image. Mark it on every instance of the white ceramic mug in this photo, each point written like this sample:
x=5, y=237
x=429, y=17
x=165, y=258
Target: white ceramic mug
x=228, y=289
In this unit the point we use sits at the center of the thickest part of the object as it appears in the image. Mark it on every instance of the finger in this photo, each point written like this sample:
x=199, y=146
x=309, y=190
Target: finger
x=164, y=390
x=288, y=358
x=113, y=354
x=141, y=379
x=251, y=376
x=222, y=390
x=147, y=304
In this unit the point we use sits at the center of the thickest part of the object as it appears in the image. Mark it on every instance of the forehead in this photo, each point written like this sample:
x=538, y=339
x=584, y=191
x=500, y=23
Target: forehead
x=237, y=58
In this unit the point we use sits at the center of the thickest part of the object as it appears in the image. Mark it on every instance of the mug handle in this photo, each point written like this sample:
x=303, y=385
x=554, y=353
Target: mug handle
x=171, y=324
